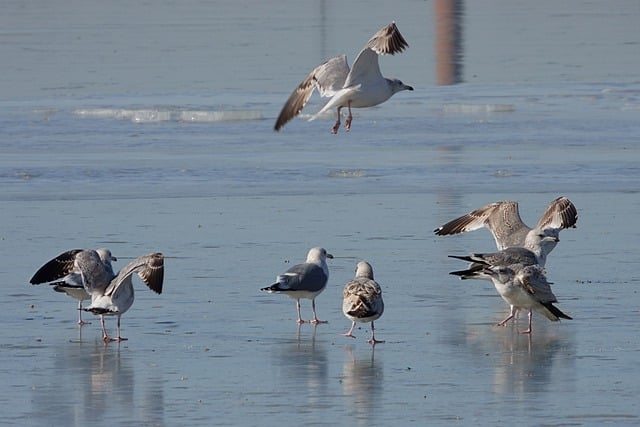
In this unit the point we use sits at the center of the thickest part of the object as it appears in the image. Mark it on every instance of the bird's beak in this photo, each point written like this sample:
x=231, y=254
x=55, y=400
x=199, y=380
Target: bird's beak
x=329, y=256
x=408, y=87
x=113, y=258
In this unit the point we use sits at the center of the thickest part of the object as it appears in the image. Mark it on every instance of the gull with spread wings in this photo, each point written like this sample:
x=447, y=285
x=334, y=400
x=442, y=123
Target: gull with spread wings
x=361, y=86
x=60, y=273
x=504, y=222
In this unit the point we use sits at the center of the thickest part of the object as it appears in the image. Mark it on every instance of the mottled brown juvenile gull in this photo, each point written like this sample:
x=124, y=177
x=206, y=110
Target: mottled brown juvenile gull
x=504, y=222
x=70, y=283
x=362, y=300
x=362, y=86
x=526, y=289
x=305, y=280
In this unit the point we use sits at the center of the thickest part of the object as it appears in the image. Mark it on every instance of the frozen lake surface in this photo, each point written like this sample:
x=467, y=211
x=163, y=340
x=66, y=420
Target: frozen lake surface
x=150, y=129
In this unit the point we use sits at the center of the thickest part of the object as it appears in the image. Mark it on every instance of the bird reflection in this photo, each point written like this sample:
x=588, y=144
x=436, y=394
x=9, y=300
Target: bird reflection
x=362, y=380
x=99, y=383
x=524, y=363
x=302, y=364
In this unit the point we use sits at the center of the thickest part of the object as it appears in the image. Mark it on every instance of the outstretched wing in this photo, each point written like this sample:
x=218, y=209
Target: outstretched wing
x=150, y=269
x=501, y=218
x=560, y=214
x=328, y=78
x=57, y=268
x=387, y=40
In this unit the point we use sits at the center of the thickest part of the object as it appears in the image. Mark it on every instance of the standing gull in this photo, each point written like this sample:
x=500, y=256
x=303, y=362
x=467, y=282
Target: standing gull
x=305, y=280
x=526, y=289
x=362, y=300
x=113, y=297
x=70, y=283
x=362, y=86
x=504, y=222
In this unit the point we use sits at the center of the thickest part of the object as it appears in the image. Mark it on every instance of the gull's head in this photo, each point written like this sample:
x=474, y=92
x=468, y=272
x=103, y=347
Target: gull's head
x=364, y=270
x=105, y=255
x=542, y=241
x=398, y=86
x=318, y=255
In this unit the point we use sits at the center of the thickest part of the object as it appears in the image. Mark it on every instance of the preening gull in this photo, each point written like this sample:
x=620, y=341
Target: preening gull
x=305, y=280
x=71, y=282
x=504, y=222
x=527, y=289
x=362, y=86
x=362, y=300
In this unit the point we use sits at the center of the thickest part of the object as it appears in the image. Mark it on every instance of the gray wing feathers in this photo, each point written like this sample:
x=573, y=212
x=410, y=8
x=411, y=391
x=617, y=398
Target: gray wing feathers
x=387, y=40
x=150, y=269
x=301, y=277
x=560, y=214
x=328, y=78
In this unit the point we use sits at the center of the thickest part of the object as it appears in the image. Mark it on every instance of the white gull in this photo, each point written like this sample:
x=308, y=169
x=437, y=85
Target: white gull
x=114, y=296
x=305, y=280
x=362, y=86
x=527, y=289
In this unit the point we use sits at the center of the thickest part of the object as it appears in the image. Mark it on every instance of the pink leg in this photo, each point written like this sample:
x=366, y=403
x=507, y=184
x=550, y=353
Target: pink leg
x=300, y=321
x=335, y=128
x=511, y=315
x=315, y=318
x=80, y=321
x=528, y=331
x=349, y=334
x=373, y=339
x=347, y=124
x=105, y=336
x=119, y=337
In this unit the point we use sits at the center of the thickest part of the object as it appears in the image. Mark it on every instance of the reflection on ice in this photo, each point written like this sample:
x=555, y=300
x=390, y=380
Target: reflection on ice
x=99, y=383
x=478, y=108
x=362, y=382
x=154, y=115
x=302, y=364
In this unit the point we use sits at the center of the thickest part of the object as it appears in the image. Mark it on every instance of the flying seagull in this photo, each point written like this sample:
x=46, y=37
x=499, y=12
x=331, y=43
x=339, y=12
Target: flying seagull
x=504, y=222
x=362, y=300
x=70, y=283
x=362, y=86
x=305, y=280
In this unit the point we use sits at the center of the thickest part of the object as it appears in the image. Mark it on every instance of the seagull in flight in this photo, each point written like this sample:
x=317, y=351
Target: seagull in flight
x=361, y=86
